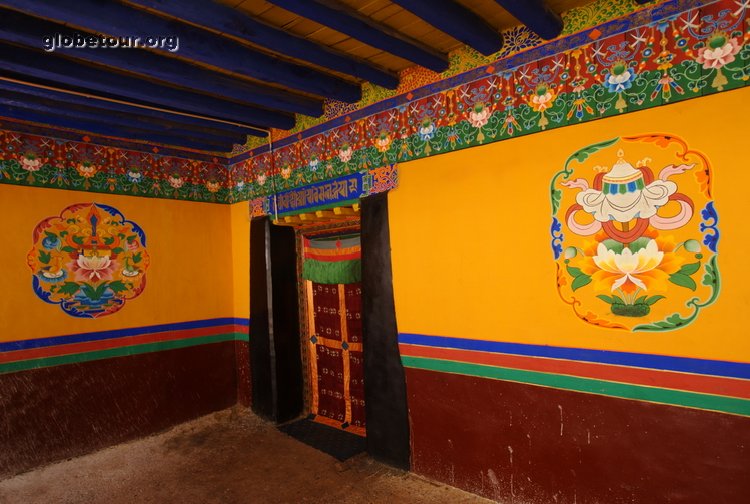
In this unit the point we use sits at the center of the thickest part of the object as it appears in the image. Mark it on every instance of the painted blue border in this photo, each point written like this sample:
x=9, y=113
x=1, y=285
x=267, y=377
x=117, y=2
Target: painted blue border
x=649, y=361
x=119, y=333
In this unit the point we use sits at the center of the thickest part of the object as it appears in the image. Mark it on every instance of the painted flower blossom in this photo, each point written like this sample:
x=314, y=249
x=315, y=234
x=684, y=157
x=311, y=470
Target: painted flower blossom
x=261, y=179
x=345, y=153
x=134, y=176
x=212, y=186
x=31, y=163
x=627, y=266
x=719, y=51
x=479, y=115
x=383, y=141
x=93, y=268
x=314, y=162
x=86, y=169
x=176, y=181
x=286, y=172
x=51, y=241
x=620, y=78
x=542, y=98
x=426, y=130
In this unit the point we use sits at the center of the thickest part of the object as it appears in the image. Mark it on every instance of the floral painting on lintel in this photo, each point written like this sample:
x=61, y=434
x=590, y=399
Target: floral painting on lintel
x=635, y=232
x=90, y=260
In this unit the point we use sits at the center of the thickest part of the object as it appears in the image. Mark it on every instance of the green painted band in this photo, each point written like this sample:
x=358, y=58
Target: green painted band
x=160, y=346
x=613, y=389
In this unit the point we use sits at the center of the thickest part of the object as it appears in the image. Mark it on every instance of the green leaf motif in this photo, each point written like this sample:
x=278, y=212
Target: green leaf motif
x=653, y=299
x=78, y=240
x=580, y=281
x=117, y=286
x=118, y=250
x=641, y=299
x=44, y=257
x=574, y=272
x=137, y=258
x=50, y=234
x=68, y=288
x=94, y=293
x=689, y=269
x=682, y=280
x=638, y=244
x=584, y=153
x=556, y=198
x=606, y=299
x=674, y=321
x=613, y=245
x=109, y=240
x=68, y=248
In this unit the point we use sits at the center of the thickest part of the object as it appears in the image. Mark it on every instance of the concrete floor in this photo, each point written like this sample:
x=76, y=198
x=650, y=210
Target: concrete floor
x=228, y=457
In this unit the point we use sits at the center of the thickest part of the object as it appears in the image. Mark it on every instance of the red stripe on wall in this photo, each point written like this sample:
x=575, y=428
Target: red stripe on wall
x=90, y=346
x=334, y=258
x=638, y=376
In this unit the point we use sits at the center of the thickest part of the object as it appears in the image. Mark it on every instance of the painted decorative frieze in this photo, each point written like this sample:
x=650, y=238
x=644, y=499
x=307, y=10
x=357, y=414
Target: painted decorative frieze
x=635, y=233
x=41, y=161
x=89, y=260
x=681, y=54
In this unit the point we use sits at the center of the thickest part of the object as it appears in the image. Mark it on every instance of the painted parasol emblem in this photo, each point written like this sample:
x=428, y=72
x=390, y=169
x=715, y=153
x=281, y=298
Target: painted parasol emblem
x=629, y=246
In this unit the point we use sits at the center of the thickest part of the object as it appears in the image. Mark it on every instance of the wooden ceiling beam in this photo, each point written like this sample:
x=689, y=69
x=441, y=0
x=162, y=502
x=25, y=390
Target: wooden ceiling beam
x=535, y=14
x=226, y=20
x=57, y=69
x=118, y=20
x=341, y=18
x=105, y=129
x=49, y=101
x=23, y=83
x=28, y=31
x=457, y=21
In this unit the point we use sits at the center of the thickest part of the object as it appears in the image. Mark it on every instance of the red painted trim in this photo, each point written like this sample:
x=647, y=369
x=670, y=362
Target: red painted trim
x=730, y=387
x=336, y=258
x=90, y=346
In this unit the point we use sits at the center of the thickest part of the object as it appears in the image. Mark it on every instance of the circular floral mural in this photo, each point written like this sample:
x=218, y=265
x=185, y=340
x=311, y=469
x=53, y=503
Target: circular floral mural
x=89, y=260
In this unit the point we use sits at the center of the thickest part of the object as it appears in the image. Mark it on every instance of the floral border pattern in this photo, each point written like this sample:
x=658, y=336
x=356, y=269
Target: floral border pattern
x=675, y=50
x=691, y=54
x=40, y=161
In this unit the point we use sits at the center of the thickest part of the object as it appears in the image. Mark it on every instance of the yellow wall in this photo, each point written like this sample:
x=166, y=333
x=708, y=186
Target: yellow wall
x=471, y=243
x=240, y=222
x=194, y=261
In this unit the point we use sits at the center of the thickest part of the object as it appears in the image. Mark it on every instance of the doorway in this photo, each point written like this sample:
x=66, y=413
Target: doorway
x=331, y=273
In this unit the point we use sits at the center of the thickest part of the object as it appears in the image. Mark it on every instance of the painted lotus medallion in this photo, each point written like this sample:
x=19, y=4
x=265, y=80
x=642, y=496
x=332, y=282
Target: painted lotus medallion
x=635, y=233
x=90, y=260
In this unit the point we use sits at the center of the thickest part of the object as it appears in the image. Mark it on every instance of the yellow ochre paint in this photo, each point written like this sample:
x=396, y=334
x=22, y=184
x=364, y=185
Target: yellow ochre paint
x=199, y=263
x=471, y=244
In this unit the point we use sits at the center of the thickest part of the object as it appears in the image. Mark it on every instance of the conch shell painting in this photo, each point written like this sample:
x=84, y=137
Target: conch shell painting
x=635, y=232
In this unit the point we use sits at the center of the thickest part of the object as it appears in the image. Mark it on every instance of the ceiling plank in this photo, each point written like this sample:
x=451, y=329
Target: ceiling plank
x=104, y=129
x=119, y=20
x=458, y=22
x=28, y=31
x=58, y=69
x=118, y=112
x=45, y=106
x=345, y=20
x=535, y=14
x=22, y=82
x=229, y=21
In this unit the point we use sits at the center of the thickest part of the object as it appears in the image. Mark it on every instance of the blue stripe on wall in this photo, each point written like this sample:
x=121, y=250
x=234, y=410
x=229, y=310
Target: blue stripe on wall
x=664, y=362
x=119, y=333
